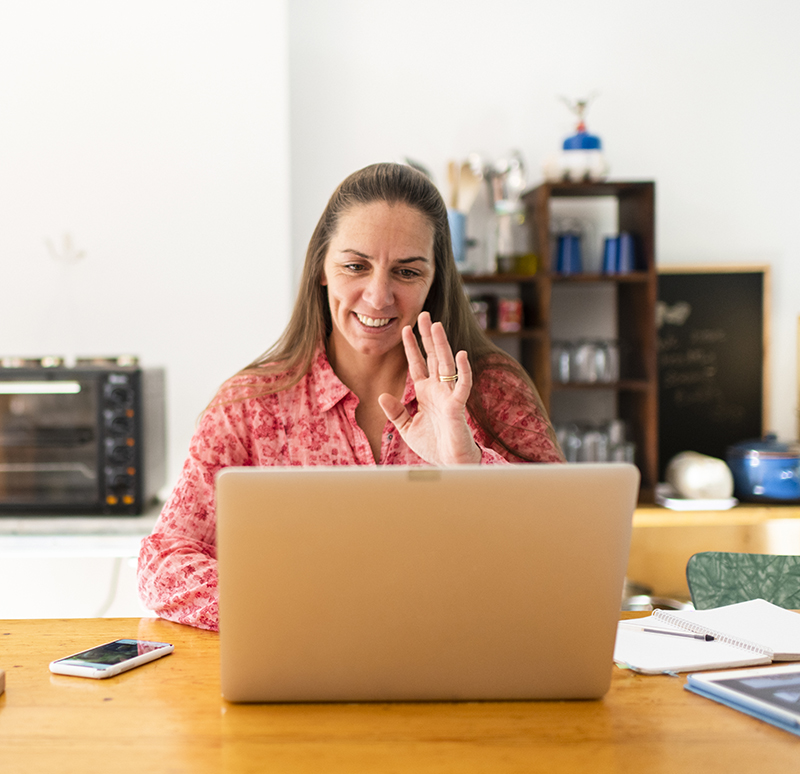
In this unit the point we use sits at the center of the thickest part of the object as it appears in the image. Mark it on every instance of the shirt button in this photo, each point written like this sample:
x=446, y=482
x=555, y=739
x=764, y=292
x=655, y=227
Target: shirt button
x=390, y=436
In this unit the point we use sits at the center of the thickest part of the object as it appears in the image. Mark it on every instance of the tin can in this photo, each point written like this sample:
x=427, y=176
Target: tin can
x=509, y=315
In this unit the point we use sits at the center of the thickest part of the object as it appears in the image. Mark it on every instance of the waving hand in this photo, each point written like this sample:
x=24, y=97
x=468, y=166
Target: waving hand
x=438, y=432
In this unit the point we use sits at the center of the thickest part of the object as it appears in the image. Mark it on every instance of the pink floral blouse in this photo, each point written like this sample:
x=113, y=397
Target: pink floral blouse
x=312, y=423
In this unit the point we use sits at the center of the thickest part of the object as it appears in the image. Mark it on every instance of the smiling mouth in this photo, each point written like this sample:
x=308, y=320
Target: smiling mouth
x=373, y=322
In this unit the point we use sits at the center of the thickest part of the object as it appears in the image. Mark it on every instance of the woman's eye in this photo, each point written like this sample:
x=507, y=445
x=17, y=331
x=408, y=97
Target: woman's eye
x=354, y=267
x=409, y=273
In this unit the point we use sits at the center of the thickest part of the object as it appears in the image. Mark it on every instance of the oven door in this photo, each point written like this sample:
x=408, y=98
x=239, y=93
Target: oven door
x=49, y=443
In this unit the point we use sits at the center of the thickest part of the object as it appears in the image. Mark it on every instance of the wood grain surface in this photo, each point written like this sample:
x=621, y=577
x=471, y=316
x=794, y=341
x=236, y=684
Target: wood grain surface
x=168, y=716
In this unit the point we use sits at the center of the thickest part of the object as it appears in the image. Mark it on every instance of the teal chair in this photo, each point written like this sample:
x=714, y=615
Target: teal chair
x=719, y=578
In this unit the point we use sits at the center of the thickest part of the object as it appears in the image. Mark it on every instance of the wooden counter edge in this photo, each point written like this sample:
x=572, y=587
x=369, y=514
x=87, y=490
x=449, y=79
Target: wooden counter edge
x=659, y=516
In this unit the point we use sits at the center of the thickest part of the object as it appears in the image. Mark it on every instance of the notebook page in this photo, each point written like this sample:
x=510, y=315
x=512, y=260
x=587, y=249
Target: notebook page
x=652, y=653
x=757, y=621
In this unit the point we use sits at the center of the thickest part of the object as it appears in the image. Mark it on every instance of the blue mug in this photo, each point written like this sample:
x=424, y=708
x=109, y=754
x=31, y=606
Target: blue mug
x=626, y=258
x=458, y=236
x=568, y=259
x=610, y=255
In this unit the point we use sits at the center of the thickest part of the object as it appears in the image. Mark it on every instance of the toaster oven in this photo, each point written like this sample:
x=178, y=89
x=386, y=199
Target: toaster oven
x=88, y=438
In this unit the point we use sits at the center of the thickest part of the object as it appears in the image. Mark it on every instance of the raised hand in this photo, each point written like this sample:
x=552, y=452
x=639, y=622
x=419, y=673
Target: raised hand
x=438, y=432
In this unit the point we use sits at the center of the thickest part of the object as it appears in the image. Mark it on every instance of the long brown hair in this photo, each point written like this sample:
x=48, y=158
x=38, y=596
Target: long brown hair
x=289, y=359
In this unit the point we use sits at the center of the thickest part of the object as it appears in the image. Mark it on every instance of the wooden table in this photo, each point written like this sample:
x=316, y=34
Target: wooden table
x=168, y=716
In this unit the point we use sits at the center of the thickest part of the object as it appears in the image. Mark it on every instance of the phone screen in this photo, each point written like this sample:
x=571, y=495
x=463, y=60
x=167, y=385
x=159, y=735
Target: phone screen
x=114, y=652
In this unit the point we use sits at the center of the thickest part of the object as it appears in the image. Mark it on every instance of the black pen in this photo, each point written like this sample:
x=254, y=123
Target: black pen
x=671, y=632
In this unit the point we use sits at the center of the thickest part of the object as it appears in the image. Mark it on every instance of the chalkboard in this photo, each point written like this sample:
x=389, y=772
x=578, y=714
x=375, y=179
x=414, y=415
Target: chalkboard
x=711, y=355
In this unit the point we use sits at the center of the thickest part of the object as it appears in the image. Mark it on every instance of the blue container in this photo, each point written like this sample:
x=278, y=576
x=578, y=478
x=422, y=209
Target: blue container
x=569, y=254
x=765, y=470
x=626, y=257
x=610, y=254
x=583, y=141
x=458, y=236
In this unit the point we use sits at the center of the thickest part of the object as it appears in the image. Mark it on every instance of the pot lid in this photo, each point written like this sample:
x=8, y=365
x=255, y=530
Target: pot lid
x=768, y=446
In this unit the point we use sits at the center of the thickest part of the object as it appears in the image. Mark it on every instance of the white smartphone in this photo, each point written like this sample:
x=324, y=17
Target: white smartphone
x=110, y=658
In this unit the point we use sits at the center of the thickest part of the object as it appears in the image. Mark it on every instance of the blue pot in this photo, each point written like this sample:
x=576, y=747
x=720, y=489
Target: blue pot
x=765, y=470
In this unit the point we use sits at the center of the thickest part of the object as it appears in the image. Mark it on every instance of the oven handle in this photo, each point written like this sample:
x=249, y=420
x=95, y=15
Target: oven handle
x=48, y=467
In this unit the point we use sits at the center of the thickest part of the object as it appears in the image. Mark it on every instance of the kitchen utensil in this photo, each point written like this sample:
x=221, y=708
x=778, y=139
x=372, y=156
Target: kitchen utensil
x=509, y=315
x=458, y=236
x=469, y=185
x=452, y=180
x=480, y=309
x=508, y=180
x=610, y=361
x=610, y=254
x=594, y=446
x=765, y=470
x=560, y=354
x=697, y=476
x=569, y=254
x=626, y=257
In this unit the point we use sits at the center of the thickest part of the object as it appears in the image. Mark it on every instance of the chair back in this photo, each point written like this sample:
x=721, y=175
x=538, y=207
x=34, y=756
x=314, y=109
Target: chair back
x=718, y=578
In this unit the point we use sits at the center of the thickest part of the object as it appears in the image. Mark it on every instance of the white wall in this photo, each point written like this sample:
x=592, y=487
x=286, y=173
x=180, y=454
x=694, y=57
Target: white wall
x=153, y=136
x=698, y=95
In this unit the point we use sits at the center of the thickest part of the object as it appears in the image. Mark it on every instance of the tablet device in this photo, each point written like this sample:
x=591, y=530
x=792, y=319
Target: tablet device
x=769, y=693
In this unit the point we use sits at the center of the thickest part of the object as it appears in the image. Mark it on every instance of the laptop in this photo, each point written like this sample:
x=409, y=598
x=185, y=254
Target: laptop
x=495, y=582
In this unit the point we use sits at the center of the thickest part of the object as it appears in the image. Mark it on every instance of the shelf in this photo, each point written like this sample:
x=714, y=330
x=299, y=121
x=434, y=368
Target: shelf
x=527, y=333
x=633, y=299
x=633, y=296
x=625, y=385
x=606, y=188
x=632, y=277
x=585, y=277
x=499, y=279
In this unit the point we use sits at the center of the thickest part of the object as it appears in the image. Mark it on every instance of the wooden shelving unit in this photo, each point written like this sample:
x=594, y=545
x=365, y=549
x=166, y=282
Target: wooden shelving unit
x=635, y=298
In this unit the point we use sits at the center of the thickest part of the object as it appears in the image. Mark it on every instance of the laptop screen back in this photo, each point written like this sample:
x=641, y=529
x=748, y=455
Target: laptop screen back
x=393, y=583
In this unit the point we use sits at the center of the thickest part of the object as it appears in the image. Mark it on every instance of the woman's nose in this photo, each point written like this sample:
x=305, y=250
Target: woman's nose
x=378, y=292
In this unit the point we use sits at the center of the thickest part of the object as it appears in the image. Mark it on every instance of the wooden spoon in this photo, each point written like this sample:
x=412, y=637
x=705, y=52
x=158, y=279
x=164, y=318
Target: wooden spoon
x=468, y=187
x=452, y=179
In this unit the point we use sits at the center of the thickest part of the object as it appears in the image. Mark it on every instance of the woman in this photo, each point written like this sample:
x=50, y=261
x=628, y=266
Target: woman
x=347, y=384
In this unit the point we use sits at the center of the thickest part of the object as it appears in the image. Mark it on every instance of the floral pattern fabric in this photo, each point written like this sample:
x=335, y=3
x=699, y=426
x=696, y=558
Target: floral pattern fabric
x=310, y=424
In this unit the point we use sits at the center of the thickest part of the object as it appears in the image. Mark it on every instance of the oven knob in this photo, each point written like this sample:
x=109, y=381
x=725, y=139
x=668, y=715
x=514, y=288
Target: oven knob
x=120, y=487
x=121, y=454
x=118, y=395
x=119, y=425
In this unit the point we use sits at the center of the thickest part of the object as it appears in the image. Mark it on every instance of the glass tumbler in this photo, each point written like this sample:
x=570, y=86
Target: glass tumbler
x=560, y=357
x=583, y=362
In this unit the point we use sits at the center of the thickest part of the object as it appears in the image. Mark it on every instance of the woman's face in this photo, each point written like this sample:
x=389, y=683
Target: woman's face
x=378, y=269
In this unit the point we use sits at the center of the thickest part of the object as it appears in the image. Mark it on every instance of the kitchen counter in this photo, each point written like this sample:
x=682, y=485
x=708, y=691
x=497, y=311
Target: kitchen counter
x=65, y=548
x=663, y=540
x=71, y=566
x=70, y=526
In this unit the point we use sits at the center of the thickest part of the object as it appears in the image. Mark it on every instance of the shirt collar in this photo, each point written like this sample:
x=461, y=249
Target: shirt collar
x=323, y=382
x=328, y=389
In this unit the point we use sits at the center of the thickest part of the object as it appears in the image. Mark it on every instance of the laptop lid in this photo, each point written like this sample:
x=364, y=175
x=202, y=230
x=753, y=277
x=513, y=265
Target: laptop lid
x=395, y=583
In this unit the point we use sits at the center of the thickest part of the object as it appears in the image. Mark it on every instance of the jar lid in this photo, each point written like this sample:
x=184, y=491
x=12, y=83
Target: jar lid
x=582, y=141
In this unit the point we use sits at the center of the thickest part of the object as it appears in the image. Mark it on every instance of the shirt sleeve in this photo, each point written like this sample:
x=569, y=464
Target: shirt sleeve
x=518, y=418
x=177, y=570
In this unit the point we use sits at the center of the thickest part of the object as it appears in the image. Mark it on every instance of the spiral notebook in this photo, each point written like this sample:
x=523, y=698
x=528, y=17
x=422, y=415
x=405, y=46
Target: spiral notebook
x=744, y=634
